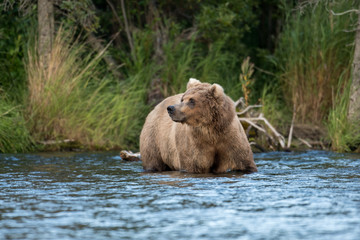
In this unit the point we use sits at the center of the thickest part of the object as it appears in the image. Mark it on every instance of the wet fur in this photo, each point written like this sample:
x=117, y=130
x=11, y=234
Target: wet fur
x=209, y=139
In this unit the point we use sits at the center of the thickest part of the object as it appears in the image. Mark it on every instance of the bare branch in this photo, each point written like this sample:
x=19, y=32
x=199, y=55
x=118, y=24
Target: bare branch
x=7, y=4
x=280, y=138
x=291, y=128
x=352, y=30
x=346, y=12
x=248, y=108
x=305, y=142
x=127, y=28
x=264, y=71
x=240, y=101
x=115, y=14
x=254, y=125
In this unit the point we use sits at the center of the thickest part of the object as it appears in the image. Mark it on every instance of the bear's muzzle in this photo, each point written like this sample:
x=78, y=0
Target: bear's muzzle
x=176, y=115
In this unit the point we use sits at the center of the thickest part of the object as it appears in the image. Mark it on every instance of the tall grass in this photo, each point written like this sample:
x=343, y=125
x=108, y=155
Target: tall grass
x=313, y=52
x=14, y=136
x=177, y=67
x=183, y=58
x=273, y=108
x=343, y=134
x=187, y=59
x=222, y=67
x=70, y=99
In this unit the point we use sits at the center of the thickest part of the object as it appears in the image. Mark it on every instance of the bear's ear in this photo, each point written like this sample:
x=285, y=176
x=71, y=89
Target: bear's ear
x=192, y=83
x=217, y=91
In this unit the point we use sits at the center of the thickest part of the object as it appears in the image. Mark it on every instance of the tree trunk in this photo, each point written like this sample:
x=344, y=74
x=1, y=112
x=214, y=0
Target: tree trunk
x=46, y=30
x=354, y=104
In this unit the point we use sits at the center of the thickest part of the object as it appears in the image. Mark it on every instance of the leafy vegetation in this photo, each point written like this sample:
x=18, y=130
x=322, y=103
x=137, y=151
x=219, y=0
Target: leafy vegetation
x=71, y=98
x=300, y=60
x=14, y=136
x=313, y=52
x=344, y=135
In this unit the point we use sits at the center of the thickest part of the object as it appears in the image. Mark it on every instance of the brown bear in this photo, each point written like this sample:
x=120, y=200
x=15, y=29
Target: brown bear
x=197, y=132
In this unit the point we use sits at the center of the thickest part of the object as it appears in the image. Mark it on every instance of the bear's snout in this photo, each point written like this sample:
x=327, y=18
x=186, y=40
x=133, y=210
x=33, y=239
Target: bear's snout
x=175, y=114
x=171, y=109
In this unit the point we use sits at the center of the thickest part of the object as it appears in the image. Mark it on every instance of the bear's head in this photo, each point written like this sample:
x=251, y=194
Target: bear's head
x=200, y=105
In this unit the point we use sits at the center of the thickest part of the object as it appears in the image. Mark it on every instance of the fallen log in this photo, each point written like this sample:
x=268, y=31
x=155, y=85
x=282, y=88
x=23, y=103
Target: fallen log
x=130, y=156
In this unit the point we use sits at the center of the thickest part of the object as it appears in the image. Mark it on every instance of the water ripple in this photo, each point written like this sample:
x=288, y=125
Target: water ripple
x=306, y=195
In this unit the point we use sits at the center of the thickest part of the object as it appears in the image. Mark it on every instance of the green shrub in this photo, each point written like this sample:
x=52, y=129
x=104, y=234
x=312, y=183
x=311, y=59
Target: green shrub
x=14, y=136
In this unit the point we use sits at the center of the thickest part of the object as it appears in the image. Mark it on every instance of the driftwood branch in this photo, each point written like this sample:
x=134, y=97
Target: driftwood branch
x=248, y=108
x=291, y=128
x=257, y=127
x=346, y=12
x=252, y=121
x=305, y=142
x=130, y=156
x=240, y=101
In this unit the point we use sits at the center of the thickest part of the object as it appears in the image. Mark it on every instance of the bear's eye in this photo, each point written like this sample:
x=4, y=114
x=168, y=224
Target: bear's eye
x=191, y=102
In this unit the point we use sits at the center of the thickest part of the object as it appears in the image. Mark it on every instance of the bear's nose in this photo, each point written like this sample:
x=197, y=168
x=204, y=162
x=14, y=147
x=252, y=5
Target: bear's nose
x=171, y=109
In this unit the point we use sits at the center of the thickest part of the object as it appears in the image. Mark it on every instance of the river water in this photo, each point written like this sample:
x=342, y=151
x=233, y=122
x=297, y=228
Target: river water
x=307, y=195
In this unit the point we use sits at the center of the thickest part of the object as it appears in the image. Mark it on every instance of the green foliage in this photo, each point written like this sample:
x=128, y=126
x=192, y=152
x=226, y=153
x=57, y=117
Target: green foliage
x=226, y=21
x=14, y=136
x=313, y=52
x=177, y=68
x=343, y=134
x=273, y=107
x=219, y=66
x=80, y=12
x=71, y=100
x=247, y=70
x=13, y=38
x=182, y=59
x=76, y=98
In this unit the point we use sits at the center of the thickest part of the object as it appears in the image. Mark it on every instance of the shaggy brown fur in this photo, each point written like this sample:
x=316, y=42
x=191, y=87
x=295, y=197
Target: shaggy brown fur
x=197, y=132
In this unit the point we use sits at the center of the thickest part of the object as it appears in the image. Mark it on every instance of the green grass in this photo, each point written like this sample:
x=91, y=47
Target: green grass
x=313, y=52
x=273, y=108
x=74, y=99
x=344, y=135
x=181, y=60
x=14, y=136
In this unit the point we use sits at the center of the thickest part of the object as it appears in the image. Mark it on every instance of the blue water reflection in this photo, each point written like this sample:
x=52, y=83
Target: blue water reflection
x=307, y=195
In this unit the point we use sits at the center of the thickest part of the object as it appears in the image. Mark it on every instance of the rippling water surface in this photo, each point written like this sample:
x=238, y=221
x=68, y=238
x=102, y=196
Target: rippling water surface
x=308, y=195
